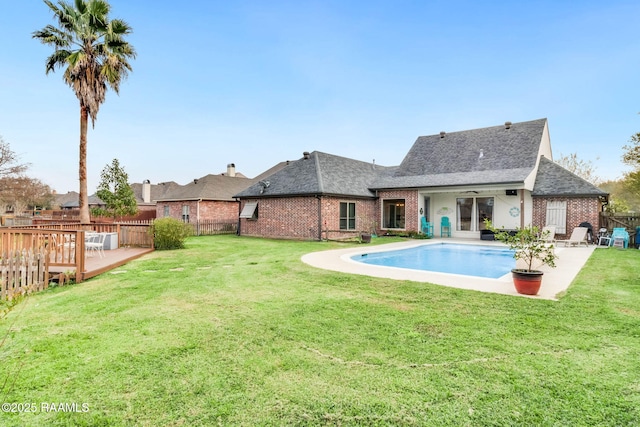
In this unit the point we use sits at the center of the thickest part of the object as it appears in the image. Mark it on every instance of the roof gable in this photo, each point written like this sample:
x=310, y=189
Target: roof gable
x=554, y=180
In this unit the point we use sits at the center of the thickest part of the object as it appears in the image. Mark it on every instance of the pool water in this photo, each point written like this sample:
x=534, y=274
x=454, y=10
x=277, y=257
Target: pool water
x=468, y=260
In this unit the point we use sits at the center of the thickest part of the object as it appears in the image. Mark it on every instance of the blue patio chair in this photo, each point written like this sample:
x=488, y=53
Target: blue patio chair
x=619, y=238
x=445, y=227
x=427, y=227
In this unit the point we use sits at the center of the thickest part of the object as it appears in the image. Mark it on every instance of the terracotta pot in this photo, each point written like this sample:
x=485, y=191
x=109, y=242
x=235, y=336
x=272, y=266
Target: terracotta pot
x=527, y=282
x=365, y=237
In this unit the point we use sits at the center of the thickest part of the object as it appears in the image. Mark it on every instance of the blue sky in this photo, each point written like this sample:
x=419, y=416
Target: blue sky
x=256, y=82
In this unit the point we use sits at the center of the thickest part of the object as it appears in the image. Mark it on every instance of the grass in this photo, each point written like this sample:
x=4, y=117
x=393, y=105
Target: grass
x=238, y=331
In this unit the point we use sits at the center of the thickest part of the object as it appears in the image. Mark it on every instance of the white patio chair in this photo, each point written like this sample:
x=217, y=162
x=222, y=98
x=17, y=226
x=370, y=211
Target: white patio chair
x=94, y=243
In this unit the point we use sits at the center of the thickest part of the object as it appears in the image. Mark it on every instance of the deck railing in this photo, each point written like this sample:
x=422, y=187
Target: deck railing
x=135, y=234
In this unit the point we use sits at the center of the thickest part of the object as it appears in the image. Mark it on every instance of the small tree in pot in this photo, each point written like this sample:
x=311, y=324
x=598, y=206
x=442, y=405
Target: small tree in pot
x=530, y=247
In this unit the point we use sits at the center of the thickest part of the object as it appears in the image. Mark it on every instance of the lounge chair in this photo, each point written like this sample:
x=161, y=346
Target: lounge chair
x=548, y=234
x=578, y=236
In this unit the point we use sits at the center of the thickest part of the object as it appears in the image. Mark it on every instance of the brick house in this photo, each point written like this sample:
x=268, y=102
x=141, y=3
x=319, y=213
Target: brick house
x=321, y=196
x=209, y=198
x=501, y=173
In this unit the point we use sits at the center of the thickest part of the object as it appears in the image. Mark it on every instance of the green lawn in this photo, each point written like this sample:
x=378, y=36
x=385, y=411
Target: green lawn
x=238, y=331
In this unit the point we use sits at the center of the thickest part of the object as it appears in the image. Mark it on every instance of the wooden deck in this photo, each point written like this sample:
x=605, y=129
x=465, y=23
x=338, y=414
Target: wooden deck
x=95, y=265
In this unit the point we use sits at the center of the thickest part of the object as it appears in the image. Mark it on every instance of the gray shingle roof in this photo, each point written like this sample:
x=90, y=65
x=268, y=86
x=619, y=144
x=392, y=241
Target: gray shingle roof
x=479, y=156
x=320, y=173
x=554, y=180
x=209, y=187
x=158, y=191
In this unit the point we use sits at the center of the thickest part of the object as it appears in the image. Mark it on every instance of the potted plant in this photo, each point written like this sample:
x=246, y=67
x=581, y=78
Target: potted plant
x=530, y=247
x=369, y=231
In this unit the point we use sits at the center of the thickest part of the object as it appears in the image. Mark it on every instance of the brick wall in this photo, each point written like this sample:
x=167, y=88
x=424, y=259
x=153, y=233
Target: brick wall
x=579, y=209
x=223, y=211
x=298, y=218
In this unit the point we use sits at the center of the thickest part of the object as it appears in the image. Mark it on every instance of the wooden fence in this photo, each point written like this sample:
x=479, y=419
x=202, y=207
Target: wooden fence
x=210, y=227
x=23, y=272
x=629, y=221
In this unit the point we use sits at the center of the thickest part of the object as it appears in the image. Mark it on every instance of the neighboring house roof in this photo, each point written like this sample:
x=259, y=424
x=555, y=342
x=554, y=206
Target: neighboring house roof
x=209, y=187
x=158, y=191
x=319, y=173
x=492, y=155
x=74, y=203
x=69, y=197
x=554, y=180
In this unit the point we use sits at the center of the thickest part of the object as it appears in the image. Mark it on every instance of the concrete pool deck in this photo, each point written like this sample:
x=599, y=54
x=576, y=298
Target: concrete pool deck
x=555, y=281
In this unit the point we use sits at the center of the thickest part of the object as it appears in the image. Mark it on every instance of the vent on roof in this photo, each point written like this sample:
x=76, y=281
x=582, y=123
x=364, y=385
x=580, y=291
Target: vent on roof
x=442, y=134
x=195, y=181
x=305, y=155
x=481, y=154
x=507, y=125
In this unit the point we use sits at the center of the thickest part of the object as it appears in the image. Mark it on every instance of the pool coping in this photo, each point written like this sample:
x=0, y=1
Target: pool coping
x=554, y=283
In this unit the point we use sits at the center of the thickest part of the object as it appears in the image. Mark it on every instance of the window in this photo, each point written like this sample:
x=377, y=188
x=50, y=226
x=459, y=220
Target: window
x=185, y=213
x=347, y=216
x=470, y=219
x=250, y=211
x=166, y=210
x=393, y=213
x=557, y=215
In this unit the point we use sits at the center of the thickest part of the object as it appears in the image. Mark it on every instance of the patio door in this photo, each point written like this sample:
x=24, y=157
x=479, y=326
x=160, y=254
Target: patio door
x=472, y=211
x=484, y=206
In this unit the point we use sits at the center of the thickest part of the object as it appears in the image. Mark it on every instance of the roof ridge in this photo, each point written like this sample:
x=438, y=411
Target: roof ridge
x=488, y=127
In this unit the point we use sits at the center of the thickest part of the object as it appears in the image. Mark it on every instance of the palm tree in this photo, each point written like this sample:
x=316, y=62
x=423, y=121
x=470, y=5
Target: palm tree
x=96, y=57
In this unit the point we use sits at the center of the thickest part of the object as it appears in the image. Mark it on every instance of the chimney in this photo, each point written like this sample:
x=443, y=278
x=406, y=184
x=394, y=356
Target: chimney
x=231, y=169
x=507, y=125
x=146, y=191
x=442, y=134
x=305, y=155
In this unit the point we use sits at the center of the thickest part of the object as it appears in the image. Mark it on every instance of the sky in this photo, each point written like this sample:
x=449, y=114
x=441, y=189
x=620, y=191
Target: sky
x=255, y=83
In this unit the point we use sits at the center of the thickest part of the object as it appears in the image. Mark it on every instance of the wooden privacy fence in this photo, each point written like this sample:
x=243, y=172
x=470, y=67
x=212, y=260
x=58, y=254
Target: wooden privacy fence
x=23, y=272
x=627, y=220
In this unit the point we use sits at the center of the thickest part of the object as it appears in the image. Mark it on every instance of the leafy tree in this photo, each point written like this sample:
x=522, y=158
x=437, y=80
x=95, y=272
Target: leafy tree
x=632, y=156
x=9, y=161
x=19, y=193
x=584, y=169
x=96, y=56
x=116, y=193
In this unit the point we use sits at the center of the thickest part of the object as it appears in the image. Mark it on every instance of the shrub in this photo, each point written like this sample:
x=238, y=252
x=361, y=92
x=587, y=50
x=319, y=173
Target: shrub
x=170, y=233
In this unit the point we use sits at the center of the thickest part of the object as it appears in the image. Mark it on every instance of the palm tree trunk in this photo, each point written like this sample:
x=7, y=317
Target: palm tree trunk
x=83, y=198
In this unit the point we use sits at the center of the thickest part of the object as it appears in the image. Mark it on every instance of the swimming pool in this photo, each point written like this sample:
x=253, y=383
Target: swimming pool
x=468, y=260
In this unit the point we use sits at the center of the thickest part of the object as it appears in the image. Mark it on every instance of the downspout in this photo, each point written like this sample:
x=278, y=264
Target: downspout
x=239, y=212
x=319, y=217
x=522, y=208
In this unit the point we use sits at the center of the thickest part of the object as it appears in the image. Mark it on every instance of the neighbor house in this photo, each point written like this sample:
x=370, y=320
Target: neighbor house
x=209, y=198
x=504, y=174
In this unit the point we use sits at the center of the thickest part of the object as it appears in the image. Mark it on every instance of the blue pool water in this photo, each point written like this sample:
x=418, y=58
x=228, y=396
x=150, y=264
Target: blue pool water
x=468, y=260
